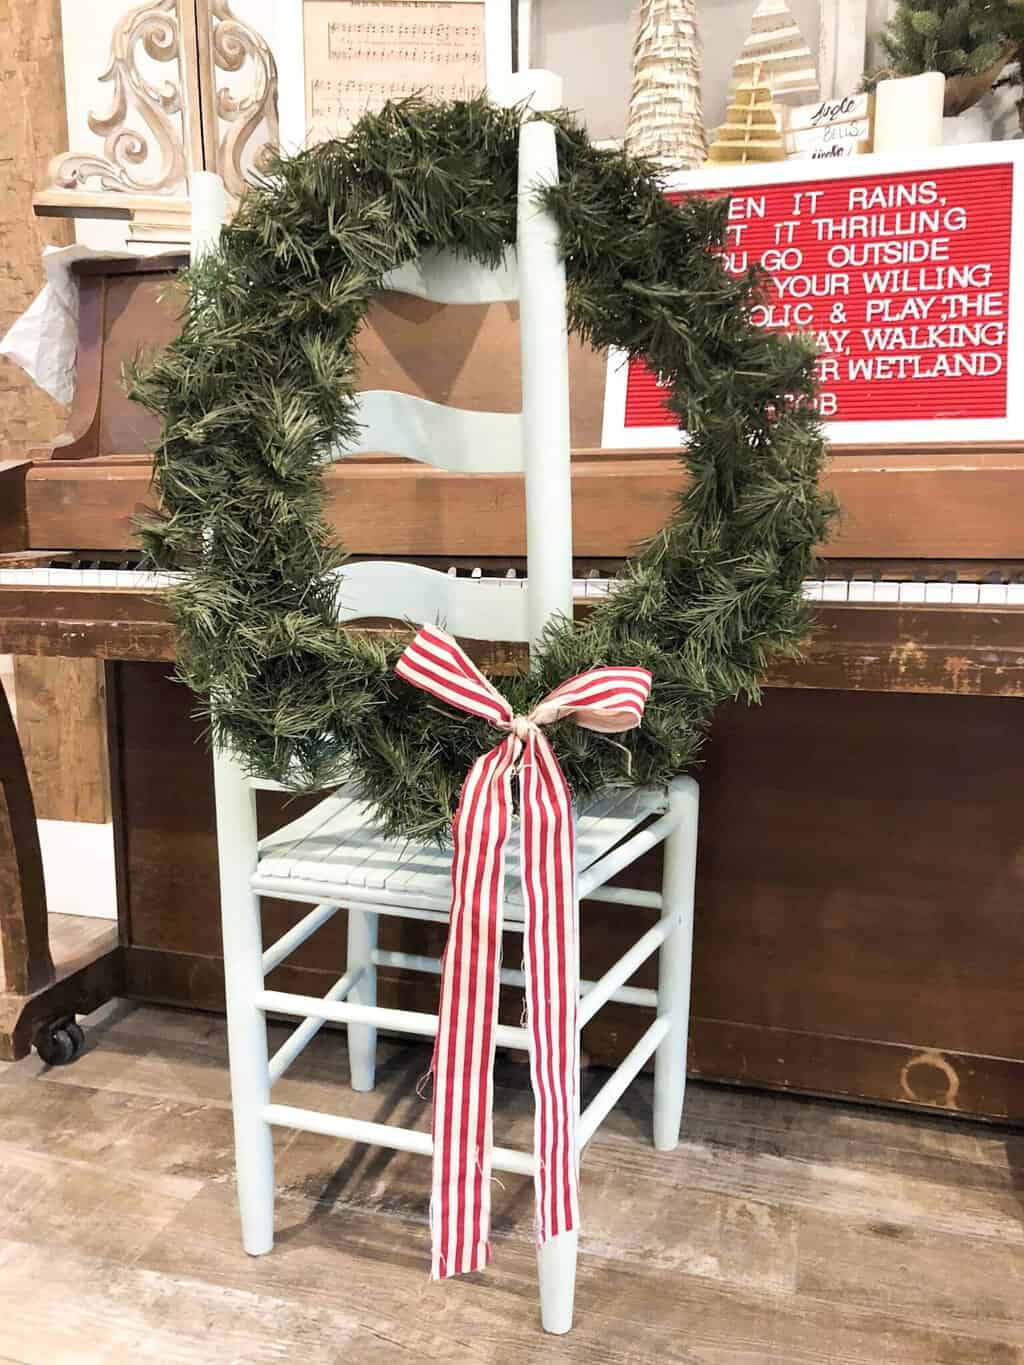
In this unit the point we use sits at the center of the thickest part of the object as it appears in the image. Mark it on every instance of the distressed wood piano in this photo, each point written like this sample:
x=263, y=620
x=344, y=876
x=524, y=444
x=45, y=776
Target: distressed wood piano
x=862, y=846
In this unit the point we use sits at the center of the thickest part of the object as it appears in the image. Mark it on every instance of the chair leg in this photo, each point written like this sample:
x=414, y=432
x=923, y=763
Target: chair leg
x=556, y=1269
x=247, y=1030
x=556, y=1259
x=362, y=1038
x=674, y=965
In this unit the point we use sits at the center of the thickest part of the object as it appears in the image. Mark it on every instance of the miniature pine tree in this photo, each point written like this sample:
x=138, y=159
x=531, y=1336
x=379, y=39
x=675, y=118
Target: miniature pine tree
x=956, y=37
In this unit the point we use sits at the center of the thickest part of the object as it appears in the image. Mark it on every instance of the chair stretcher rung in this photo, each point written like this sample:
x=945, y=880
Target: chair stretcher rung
x=626, y=895
x=398, y=1021
x=416, y=962
x=297, y=934
x=614, y=1087
x=382, y=1135
x=309, y=1028
x=628, y=963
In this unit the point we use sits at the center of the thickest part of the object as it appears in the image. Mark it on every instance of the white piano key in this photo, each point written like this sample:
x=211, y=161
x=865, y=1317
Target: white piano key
x=965, y=594
x=992, y=594
x=938, y=594
x=912, y=592
x=829, y=590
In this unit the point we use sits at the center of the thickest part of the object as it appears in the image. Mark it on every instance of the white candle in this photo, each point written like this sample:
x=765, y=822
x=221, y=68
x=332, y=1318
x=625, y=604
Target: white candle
x=209, y=209
x=908, y=112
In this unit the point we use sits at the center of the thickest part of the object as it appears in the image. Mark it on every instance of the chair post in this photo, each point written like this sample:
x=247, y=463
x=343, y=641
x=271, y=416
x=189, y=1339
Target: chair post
x=362, y=1038
x=674, y=963
x=243, y=981
x=208, y=211
x=556, y=1269
x=544, y=349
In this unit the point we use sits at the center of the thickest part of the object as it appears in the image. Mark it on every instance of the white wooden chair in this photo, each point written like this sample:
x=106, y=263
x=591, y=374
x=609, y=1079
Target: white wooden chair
x=332, y=857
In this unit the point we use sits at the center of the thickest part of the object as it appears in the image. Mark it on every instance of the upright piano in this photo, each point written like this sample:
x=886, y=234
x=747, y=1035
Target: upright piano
x=861, y=864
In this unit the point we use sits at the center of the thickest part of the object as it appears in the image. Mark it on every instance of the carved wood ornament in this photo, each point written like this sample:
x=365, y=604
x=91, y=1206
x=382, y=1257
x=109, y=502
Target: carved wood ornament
x=163, y=125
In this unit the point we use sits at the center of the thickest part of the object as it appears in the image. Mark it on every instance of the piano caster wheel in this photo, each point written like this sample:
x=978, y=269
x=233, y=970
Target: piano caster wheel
x=60, y=1041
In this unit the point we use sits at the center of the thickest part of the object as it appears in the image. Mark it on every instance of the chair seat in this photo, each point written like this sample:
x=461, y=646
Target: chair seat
x=335, y=850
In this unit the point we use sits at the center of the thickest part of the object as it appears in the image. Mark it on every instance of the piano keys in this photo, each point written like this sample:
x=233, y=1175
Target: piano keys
x=983, y=588
x=859, y=871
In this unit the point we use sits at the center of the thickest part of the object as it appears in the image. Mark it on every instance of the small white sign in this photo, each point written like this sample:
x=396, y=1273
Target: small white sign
x=833, y=139
x=850, y=108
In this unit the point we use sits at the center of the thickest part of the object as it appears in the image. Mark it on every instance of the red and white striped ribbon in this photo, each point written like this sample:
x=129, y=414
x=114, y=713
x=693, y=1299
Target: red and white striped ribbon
x=605, y=699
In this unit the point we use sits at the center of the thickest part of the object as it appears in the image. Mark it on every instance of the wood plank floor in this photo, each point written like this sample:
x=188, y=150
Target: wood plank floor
x=782, y=1231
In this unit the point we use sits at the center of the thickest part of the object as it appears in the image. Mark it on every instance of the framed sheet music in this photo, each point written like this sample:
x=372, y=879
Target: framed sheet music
x=339, y=58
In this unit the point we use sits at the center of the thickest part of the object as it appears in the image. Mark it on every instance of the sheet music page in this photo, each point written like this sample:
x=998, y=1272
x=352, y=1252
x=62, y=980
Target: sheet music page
x=361, y=53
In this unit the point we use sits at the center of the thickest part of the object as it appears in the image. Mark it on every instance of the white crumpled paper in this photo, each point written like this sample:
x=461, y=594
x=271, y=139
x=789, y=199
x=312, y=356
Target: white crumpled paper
x=43, y=341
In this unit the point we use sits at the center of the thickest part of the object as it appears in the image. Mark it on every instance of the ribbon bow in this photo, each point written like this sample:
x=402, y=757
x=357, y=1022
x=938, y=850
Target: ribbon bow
x=604, y=699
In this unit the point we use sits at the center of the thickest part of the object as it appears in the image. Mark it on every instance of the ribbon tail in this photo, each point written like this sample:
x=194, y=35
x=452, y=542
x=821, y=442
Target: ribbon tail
x=460, y=1206
x=551, y=965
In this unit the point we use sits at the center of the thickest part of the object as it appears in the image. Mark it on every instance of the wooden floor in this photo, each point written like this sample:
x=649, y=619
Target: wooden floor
x=783, y=1231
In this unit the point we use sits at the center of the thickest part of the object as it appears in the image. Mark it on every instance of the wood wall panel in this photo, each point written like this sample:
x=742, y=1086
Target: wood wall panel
x=33, y=128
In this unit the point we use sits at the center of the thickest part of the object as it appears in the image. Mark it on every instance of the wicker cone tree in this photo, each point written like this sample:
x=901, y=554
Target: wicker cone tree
x=666, y=122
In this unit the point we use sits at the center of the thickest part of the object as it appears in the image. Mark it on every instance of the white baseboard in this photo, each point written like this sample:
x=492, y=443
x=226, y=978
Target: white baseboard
x=78, y=868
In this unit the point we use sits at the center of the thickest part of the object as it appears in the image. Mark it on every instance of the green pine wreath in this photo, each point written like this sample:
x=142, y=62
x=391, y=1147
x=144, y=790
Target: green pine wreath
x=259, y=386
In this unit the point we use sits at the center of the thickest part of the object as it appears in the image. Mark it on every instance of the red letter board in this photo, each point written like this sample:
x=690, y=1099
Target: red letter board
x=906, y=275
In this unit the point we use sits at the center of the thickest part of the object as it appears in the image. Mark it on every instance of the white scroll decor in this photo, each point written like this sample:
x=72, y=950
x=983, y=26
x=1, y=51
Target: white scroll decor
x=145, y=116
x=194, y=89
x=236, y=47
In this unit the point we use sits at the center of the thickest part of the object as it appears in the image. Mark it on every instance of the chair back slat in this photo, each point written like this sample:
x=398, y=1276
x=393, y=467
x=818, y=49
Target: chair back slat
x=457, y=439
x=474, y=608
x=443, y=277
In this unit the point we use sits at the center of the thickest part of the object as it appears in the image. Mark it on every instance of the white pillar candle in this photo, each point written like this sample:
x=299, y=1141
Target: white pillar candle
x=908, y=112
x=209, y=209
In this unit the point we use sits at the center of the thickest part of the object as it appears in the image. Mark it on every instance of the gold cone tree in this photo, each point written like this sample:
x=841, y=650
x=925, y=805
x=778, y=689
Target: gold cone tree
x=666, y=121
x=751, y=131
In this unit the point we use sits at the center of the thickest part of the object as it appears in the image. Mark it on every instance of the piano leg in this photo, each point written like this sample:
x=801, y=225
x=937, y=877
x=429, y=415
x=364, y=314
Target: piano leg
x=25, y=959
x=33, y=995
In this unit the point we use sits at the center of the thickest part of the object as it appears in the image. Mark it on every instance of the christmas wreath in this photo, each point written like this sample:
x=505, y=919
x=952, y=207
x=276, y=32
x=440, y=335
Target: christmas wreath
x=258, y=388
